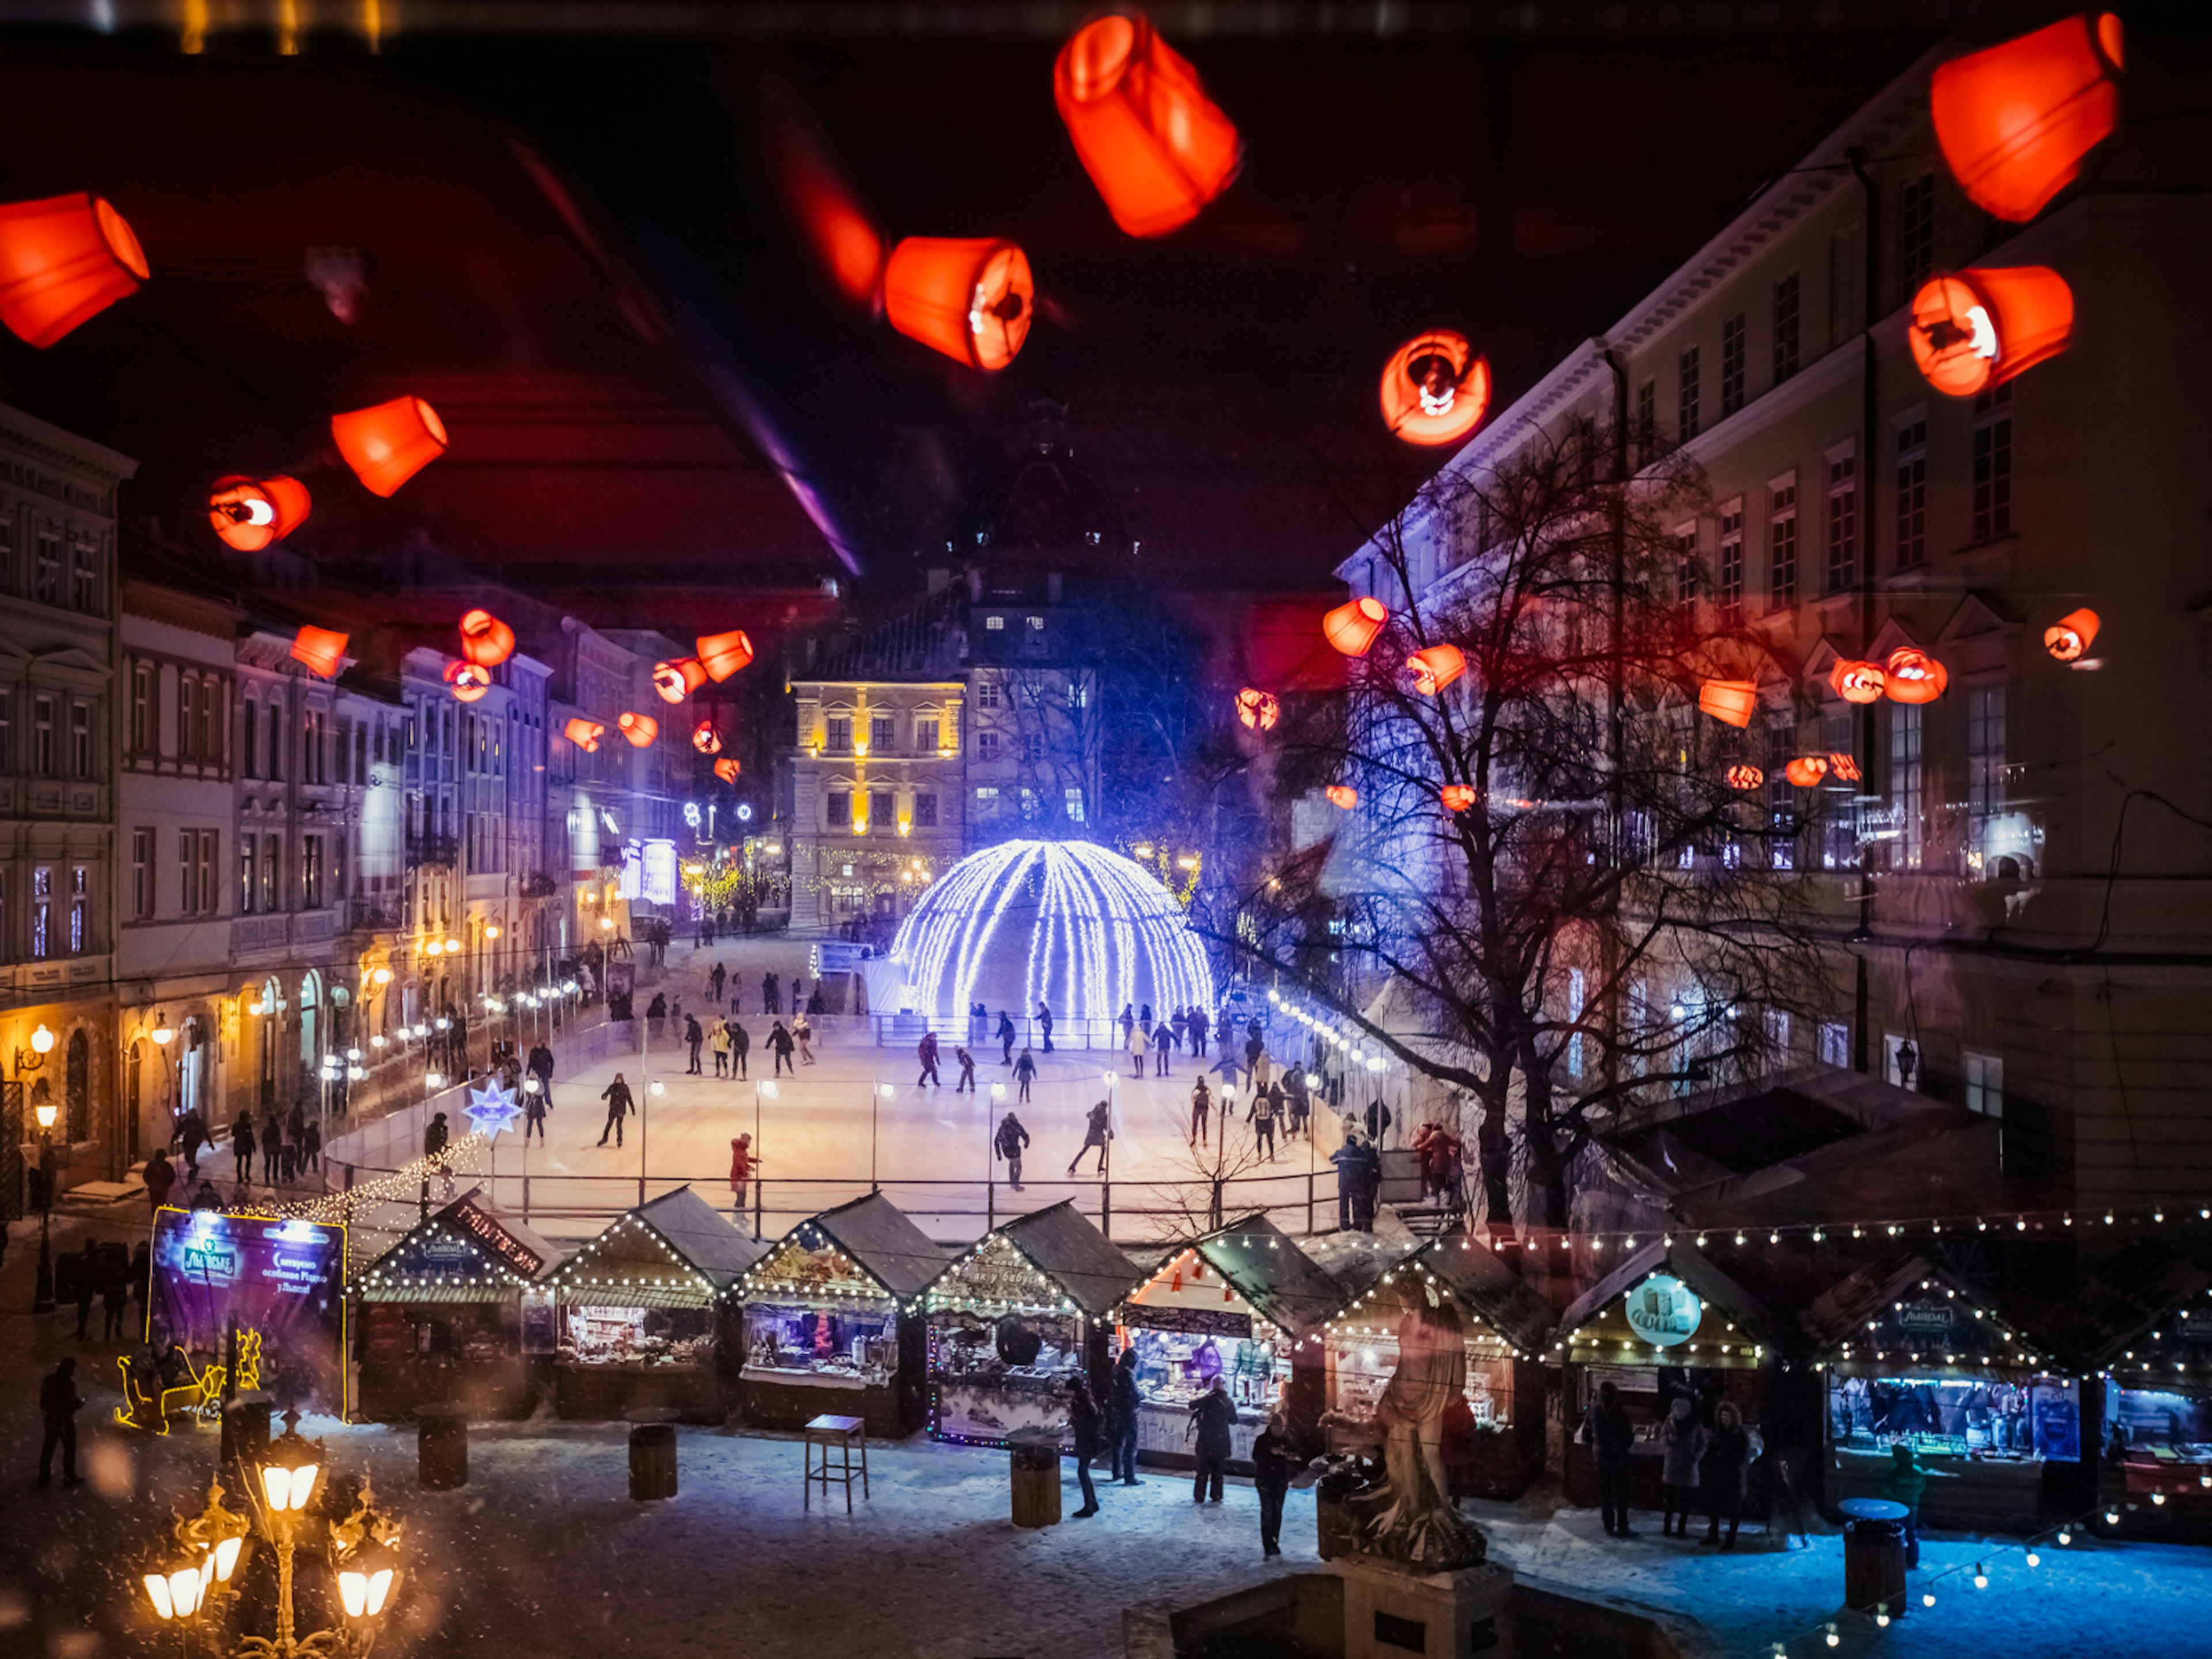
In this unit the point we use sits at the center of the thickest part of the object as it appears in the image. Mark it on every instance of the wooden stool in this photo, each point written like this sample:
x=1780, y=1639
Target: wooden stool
x=840, y=1435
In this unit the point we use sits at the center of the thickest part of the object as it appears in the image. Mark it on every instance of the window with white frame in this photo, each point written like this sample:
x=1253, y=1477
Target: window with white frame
x=986, y=745
x=837, y=810
x=1072, y=799
x=42, y=913
x=1846, y=269
x=1992, y=515
x=1032, y=748
x=1906, y=782
x=1835, y=1043
x=925, y=810
x=1916, y=234
x=1782, y=542
x=80, y=764
x=840, y=730
x=144, y=733
x=1843, y=520
x=1787, y=313
x=1911, y=493
x=1838, y=798
x=1647, y=423
x=1735, y=353
x=1686, y=397
x=987, y=800
x=1986, y=768
x=80, y=910
x=1688, y=573
x=986, y=693
x=142, y=875
x=883, y=733
x=1729, y=562
x=994, y=624
x=1985, y=1084
x=925, y=734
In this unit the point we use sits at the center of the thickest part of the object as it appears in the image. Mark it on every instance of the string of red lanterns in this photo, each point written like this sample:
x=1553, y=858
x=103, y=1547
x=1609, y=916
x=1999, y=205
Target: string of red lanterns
x=639, y=729
x=2014, y=121
x=1157, y=148
x=250, y=513
x=469, y=681
x=63, y=260
x=1435, y=389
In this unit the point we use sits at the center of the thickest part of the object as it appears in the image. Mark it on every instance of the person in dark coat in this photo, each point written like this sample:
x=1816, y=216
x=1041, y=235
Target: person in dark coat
x=191, y=1135
x=1610, y=1433
x=1128, y=1399
x=1044, y=1024
x=1008, y=1144
x=1378, y=1122
x=160, y=1177
x=771, y=997
x=540, y=1065
x=966, y=1081
x=1025, y=1071
x=1201, y=1105
x=533, y=1108
x=694, y=1035
x=1097, y=1132
x=1198, y=1028
x=436, y=1136
x=1905, y=1482
x=58, y=1404
x=780, y=1046
x=925, y=1051
x=311, y=1148
x=1005, y=1035
x=1212, y=1416
x=1684, y=1438
x=1727, y=1461
x=87, y=1286
x=1084, y=1429
x=114, y=1297
x=1272, y=1464
x=619, y=1106
x=741, y=1045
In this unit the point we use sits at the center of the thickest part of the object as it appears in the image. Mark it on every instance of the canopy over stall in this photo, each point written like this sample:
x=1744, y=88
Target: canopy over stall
x=440, y=1322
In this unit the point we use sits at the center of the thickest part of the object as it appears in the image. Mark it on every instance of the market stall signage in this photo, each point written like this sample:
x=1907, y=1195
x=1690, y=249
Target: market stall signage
x=1663, y=1310
x=487, y=1231
x=1201, y=1321
x=1925, y=1318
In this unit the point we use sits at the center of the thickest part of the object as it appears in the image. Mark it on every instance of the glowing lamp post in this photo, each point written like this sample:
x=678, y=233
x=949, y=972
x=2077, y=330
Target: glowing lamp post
x=42, y=1290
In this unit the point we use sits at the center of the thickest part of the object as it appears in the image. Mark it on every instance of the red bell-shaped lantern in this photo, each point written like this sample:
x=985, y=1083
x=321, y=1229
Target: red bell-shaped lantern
x=485, y=640
x=1913, y=676
x=1842, y=766
x=1155, y=146
x=585, y=734
x=1435, y=389
x=1730, y=701
x=323, y=651
x=2014, y=121
x=968, y=298
x=1353, y=628
x=2070, y=638
x=468, y=681
x=1983, y=326
x=1857, y=682
x=1456, y=797
x=1435, y=667
x=63, y=258
x=676, y=680
x=1343, y=795
x=1258, y=709
x=388, y=444
x=249, y=514
x=639, y=729
x=723, y=654
x=1745, y=777
x=706, y=739
x=1806, y=770
x=726, y=769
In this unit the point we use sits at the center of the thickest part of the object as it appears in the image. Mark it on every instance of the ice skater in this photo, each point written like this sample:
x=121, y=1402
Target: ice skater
x=1097, y=1132
x=1201, y=1105
x=619, y=1106
x=1026, y=1075
x=967, y=1083
x=781, y=1045
x=1008, y=1144
x=925, y=1051
x=1006, y=1038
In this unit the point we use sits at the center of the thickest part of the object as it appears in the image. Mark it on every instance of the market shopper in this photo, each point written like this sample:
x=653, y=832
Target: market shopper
x=1212, y=1419
x=1008, y=1144
x=1083, y=1427
x=159, y=1178
x=1684, y=1439
x=58, y=1404
x=1610, y=1432
x=191, y=1135
x=1097, y=1132
x=1905, y=1482
x=1272, y=1464
x=1728, y=1465
x=619, y=1106
x=1127, y=1401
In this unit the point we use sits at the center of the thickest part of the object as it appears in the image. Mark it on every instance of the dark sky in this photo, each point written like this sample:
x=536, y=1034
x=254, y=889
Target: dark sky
x=575, y=245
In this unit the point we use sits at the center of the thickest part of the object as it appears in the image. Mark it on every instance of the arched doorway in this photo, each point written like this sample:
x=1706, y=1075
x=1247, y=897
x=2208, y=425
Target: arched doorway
x=191, y=1039
x=271, y=1035
x=311, y=1034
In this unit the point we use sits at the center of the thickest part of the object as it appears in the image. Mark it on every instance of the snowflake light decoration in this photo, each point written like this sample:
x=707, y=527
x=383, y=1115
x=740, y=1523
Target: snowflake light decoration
x=492, y=1108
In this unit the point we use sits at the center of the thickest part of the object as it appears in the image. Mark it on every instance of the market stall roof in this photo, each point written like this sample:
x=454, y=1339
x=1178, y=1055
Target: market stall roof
x=1356, y=1260
x=702, y=1235
x=1486, y=1282
x=1814, y=1145
x=1686, y=1263
x=504, y=1234
x=1064, y=1245
x=1904, y=1304
x=437, y=1260
x=2143, y=1287
x=876, y=1234
x=1265, y=1266
x=628, y=1262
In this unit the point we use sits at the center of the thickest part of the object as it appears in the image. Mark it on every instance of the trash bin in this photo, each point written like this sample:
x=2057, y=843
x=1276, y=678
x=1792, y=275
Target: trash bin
x=441, y=1441
x=1036, y=1459
x=1874, y=1565
x=651, y=1461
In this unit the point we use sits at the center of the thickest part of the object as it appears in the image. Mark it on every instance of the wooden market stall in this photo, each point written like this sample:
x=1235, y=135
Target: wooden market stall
x=2138, y=1334
x=1913, y=1354
x=441, y=1317
x=642, y=1313
x=1010, y=1321
x=1245, y=1304
x=833, y=1321
x=1665, y=1322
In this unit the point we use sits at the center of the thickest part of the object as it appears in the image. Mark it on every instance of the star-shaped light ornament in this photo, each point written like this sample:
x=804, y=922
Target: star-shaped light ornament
x=492, y=1108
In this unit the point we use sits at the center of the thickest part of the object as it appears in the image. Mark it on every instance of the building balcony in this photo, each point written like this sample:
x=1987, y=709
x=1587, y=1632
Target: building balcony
x=433, y=849
x=367, y=915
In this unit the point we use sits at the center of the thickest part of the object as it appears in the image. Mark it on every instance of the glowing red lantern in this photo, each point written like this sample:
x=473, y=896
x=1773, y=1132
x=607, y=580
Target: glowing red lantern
x=678, y=680
x=723, y=654
x=726, y=769
x=706, y=739
x=485, y=640
x=1354, y=626
x=585, y=734
x=1745, y=777
x=639, y=729
x=1342, y=794
x=323, y=651
x=1434, y=668
x=1258, y=709
x=1805, y=770
x=1842, y=766
x=1730, y=701
x=1456, y=797
x=1435, y=389
x=249, y=514
x=1857, y=682
x=388, y=444
x=2014, y=121
x=2072, y=635
x=1913, y=676
x=1983, y=326
x=1155, y=146
x=967, y=298
x=63, y=258
x=469, y=681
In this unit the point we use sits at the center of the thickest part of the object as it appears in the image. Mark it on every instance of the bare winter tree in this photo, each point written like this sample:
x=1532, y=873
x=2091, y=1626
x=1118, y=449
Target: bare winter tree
x=1575, y=892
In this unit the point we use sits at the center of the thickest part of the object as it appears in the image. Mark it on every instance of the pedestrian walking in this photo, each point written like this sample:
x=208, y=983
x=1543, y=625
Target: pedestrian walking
x=1006, y=1038
x=695, y=1038
x=1198, y=1030
x=1272, y=1464
x=619, y=1106
x=1008, y=1143
x=87, y=1286
x=272, y=1151
x=741, y=1044
x=533, y=1109
x=1298, y=1104
x=1083, y=1428
x=1127, y=1020
x=656, y=1014
x=1202, y=1104
x=58, y=1404
x=1610, y=1431
x=1026, y=1073
x=1683, y=1438
x=1727, y=1461
x=967, y=1083
x=717, y=1042
x=1044, y=1024
x=1262, y=1117
x=114, y=1297
x=435, y=1137
x=803, y=1033
x=1212, y=1420
x=925, y=1051
x=1162, y=1036
x=741, y=1172
x=715, y=982
x=1097, y=1130
x=191, y=1134
x=779, y=1046
x=540, y=1065
x=771, y=1002
x=159, y=1177
x=242, y=1147
x=311, y=1148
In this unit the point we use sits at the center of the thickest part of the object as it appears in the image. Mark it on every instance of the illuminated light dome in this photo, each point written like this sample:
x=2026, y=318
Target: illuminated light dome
x=1069, y=924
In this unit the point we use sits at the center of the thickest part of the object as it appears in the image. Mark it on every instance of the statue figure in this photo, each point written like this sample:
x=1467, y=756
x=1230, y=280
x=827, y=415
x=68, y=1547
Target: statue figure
x=1418, y=1525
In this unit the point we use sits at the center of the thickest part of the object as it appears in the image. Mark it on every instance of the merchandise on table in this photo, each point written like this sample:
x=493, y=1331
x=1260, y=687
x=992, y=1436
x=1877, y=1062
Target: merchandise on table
x=636, y=1336
x=800, y=1341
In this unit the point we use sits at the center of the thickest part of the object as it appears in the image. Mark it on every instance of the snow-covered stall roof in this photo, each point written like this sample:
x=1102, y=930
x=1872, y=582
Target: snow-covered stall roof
x=876, y=1234
x=1265, y=1267
x=1063, y=1244
x=2129, y=1306
x=1904, y=1307
x=436, y=1260
x=676, y=1251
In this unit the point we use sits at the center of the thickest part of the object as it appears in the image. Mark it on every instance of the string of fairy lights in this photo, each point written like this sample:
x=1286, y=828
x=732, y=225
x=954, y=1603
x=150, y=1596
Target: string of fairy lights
x=401, y=1186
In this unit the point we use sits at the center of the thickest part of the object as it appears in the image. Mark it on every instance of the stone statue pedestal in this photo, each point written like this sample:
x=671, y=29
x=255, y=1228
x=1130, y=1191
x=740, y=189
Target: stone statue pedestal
x=1391, y=1611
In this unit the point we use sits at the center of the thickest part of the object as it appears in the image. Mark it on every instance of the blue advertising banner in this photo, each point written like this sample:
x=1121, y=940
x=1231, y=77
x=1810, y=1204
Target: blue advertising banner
x=281, y=1281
